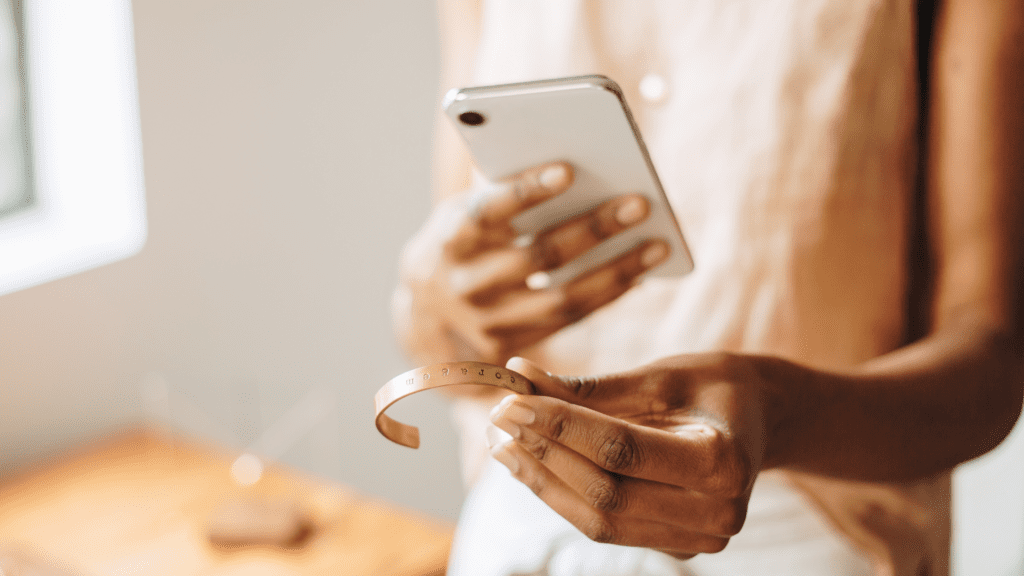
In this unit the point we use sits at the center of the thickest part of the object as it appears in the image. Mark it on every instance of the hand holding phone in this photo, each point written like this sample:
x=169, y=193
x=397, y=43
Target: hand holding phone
x=572, y=216
x=464, y=293
x=585, y=122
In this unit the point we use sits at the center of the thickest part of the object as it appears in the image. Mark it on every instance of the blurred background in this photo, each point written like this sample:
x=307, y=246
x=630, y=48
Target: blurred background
x=286, y=152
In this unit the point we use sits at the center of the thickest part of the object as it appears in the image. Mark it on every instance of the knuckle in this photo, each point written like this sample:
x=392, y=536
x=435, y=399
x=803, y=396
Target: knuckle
x=559, y=304
x=558, y=425
x=619, y=453
x=618, y=277
x=521, y=187
x=528, y=187
x=535, y=482
x=599, y=529
x=545, y=254
x=536, y=445
x=566, y=306
x=571, y=311
x=581, y=387
x=731, y=518
x=605, y=495
x=559, y=300
x=624, y=277
x=731, y=472
x=477, y=298
x=599, y=226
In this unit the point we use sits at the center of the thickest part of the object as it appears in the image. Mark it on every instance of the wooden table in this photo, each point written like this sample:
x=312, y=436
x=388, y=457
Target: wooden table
x=138, y=504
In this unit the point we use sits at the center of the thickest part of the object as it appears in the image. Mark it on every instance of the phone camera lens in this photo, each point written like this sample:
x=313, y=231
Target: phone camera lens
x=472, y=118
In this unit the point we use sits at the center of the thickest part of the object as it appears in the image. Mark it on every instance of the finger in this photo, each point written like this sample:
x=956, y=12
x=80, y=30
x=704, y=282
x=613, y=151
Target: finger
x=524, y=190
x=600, y=526
x=491, y=275
x=603, y=285
x=566, y=241
x=698, y=457
x=635, y=497
x=556, y=308
x=472, y=238
x=552, y=309
x=496, y=330
x=527, y=316
x=621, y=394
x=488, y=224
x=494, y=273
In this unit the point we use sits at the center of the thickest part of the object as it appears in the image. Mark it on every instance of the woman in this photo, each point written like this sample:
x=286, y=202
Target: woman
x=850, y=333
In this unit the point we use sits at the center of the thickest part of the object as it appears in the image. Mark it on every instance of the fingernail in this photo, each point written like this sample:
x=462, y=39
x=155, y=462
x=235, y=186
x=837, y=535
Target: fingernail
x=653, y=254
x=505, y=401
x=538, y=281
x=553, y=177
x=502, y=454
x=630, y=212
x=522, y=241
x=509, y=410
x=497, y=417
x=496, y=436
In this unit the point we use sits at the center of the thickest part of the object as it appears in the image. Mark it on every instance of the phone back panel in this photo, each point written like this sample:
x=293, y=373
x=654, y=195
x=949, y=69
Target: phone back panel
x=585, y=122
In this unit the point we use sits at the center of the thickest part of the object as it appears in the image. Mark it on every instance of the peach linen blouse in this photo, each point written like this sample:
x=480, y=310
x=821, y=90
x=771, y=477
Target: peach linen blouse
x=784, y=133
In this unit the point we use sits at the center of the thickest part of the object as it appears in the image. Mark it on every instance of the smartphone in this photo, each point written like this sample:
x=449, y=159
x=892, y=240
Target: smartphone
x=585, y=122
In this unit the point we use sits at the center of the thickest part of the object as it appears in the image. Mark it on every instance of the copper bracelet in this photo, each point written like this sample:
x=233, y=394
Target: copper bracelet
x=437, y=376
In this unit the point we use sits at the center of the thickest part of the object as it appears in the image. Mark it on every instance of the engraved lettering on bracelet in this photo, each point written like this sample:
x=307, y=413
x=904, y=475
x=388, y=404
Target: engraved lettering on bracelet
x=424, y=379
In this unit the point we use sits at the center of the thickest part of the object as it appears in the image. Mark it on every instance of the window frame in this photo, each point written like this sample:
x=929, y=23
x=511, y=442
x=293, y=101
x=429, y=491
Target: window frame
x=85, y=144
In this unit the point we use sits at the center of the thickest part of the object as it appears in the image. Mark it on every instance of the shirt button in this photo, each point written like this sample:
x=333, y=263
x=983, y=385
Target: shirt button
x=654, y=88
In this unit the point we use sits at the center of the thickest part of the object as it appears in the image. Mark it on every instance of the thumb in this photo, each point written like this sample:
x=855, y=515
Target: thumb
x=602, y=393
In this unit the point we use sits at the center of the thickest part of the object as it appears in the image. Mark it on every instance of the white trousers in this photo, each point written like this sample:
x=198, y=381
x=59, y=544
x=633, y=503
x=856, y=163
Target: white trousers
x=505, y=530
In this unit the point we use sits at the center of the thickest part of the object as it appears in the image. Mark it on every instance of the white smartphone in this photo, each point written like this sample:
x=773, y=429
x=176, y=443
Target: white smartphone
x=581, y=120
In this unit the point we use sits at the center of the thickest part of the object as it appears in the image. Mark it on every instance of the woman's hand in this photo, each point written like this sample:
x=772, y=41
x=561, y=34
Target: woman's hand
x=464, y=292
x=661, y=457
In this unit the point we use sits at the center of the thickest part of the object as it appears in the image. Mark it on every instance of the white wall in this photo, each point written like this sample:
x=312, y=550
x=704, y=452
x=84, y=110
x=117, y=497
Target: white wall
x=286, y=151
x=988, y=508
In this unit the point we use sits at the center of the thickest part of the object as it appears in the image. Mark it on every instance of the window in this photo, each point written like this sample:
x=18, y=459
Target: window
x=71, y=186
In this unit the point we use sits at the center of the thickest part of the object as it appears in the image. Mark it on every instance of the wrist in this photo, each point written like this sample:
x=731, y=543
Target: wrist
x=790, y=398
